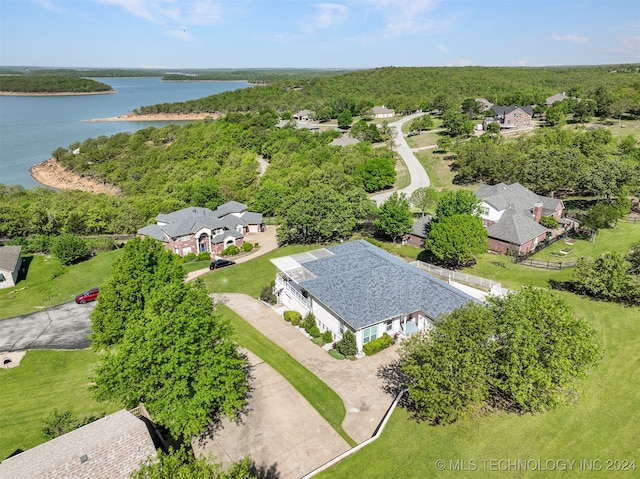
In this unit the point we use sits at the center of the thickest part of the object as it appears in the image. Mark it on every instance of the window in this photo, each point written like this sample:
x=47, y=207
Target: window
x=369, y=334
x=389, y=325
x=484, y=210
x=2, y=278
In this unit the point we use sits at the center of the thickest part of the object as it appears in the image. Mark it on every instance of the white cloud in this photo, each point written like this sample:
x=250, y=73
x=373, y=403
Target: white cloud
x=200, y=12
x=48, y=5
x=522, y=63
x=408, y=16
x=569, y=38
x=443, y=49
x=329, y=14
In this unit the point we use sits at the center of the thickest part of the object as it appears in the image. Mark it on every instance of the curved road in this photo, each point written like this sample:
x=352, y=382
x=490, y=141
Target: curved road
x=419, y=177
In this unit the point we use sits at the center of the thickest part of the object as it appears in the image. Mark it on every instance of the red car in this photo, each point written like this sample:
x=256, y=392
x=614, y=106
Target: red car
x=89, y=295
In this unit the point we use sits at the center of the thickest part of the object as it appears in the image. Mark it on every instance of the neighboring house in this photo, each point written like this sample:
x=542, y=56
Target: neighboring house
x=383, y=112
x=418, y=233
x=10, y=262
x=486, y=104
x=556, y=98
x=344, y=140
x=360, y=287
x=195, y=230
x=510, y=117
x=111, y=447
x=511, y=214
x=304, y=115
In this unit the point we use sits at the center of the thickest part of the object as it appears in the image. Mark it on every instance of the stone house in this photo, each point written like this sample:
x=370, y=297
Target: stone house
x=196, y=230
x=510, y=117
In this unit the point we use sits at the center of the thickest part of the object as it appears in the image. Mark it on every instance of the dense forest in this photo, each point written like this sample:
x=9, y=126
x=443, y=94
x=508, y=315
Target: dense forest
x=50, y=84
x=206, y=163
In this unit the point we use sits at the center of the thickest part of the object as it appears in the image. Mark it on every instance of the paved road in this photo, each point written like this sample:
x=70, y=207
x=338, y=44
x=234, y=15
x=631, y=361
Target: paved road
x=419, y=177
x=65, y=326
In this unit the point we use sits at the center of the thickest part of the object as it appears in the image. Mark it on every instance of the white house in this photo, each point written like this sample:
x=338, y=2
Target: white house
x=360, y=287
x=383, y=112
x=10, y=262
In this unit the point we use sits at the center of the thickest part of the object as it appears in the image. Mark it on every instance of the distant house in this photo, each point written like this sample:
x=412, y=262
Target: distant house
x=383, y=112
x=556, y=98
x=304, y=115
x=344, y=140
x=109, y=448
x=362, y=288
x=418, y=233
x=511, y=214
x=10, y=262
x=195, y=230
x=486, y=104
x=510, y=117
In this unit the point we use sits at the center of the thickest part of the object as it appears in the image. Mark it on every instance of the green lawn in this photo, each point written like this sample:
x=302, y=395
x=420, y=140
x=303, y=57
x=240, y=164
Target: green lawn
x=439, y=170
x=319, y=395
x=48, y=283
x=44, y=381
x=601, y=425
x=403, y=178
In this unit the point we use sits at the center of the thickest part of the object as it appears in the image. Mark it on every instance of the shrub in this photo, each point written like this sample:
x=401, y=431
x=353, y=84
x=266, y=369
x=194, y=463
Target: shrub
x=102, y=244
x=347, y=345
x=310, y=322
x=334, y=353
x=246, y=246
x=549, y=222
x=317, y=341
x=189, y=257
x=327, y=337
x=69, y=249
x=267, y=295
x=230, y=250
x=378, y=344
x=204, y=256
x=315, y=332
x=292, y=317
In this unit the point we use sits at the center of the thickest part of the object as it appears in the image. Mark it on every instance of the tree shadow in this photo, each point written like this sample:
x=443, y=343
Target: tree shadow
x=265, y=472
x=394, y=380
x=210, y=431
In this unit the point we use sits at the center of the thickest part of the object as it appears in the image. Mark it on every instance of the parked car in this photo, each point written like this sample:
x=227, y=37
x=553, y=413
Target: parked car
x=88, y=295
x=221, y=263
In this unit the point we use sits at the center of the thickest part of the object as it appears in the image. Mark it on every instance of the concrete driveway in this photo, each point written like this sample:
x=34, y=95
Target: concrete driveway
x=65, y=326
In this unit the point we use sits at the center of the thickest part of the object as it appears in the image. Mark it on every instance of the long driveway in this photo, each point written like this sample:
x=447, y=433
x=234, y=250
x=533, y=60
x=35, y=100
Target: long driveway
x=419, y=177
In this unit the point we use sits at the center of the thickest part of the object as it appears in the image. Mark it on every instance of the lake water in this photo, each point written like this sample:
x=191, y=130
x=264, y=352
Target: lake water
x=31, y=128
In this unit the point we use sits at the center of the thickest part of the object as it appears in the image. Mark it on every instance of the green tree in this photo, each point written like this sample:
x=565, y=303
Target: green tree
x=456, y=240
x=457, y=123
x=634, y=259
x=424, y=198
x=555, y=116
x=69, y=248
x=181, y=464
x=541, y=350
x=471, y=108
x=449, y=366
x=345, y=119
x=347, y=346
x=394, y=216
x=584, y=110
x=460, y=202
x=601, y=216
x=607, y=277
x=377, y=173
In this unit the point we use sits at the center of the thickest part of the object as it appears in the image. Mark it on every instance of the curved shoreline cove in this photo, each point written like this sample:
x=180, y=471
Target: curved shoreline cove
x=34, y=126
x=160, y=117
x=58, y=93
x=52, y=174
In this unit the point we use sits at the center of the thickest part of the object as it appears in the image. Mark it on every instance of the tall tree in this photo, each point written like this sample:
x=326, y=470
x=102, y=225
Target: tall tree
x=423, y=198
x=174, y=352
x=456, y=240
x=461, y=202
x=394, y=216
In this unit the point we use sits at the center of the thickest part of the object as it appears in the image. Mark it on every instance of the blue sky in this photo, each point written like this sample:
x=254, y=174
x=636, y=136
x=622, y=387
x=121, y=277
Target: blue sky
x=317, y=34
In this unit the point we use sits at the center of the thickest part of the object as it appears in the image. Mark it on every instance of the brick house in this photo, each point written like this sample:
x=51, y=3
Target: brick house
x=511, y=214
x=196, y=230
x=510, y=117
x=111, y=447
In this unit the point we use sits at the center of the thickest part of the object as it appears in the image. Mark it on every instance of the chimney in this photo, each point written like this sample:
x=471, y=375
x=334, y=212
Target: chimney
x=537, y=212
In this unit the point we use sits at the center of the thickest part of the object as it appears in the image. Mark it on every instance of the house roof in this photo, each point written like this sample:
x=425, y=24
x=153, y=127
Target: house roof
x=114, y=446
x=515, y=227
x=9, y=257
x=154, y=231
x=555, y=98
x=365, y=285
x=382, y=110
x=420, y=226
x=344, y=141
x=230, y=207
x=504, y=110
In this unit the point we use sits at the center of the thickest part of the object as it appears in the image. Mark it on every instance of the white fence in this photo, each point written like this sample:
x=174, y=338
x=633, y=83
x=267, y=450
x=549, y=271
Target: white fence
x=486, y=284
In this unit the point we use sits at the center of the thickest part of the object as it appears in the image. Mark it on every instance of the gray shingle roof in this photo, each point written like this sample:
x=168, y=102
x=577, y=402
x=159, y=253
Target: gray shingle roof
x=9, y=257
x=365, y=285
x=230, y=207
x=515, y=227
x=154, y=231
x=500, y=110
x=419, y=227
x=114, y=446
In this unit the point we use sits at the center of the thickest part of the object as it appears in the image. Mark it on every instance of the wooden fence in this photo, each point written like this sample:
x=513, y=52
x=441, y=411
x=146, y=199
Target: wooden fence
x=556, y=265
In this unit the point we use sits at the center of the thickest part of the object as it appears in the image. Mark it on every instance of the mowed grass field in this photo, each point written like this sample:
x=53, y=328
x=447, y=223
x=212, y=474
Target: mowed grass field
x=44, y=381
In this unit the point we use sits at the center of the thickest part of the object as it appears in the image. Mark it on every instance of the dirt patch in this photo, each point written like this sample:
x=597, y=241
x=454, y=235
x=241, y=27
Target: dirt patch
x=52, y=173
x=11, y=360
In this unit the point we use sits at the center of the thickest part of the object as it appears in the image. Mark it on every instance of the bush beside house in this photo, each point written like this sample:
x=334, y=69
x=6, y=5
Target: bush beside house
x=377, y=345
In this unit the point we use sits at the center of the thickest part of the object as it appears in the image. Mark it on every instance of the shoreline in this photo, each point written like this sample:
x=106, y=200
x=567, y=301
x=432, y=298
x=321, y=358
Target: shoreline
x=52, y=174
x=61, y=93
x=160, y=117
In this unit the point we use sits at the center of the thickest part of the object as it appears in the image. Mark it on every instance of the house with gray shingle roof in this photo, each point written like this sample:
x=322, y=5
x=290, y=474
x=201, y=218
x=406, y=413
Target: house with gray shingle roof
x=383, y=112
x=111, y=447
x=556, y=98
x=360, y=287
x=10, y=262
x=511, y=214
x=196, y=230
